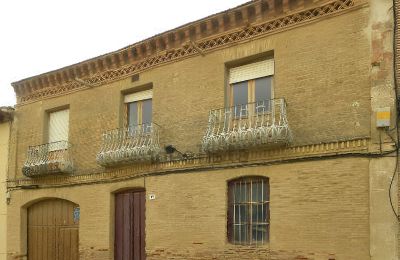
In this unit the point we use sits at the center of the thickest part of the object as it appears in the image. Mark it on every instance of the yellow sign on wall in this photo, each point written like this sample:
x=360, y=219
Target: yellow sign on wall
x=383, y=117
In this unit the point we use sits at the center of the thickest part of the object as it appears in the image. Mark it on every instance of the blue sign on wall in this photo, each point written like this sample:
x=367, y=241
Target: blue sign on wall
x=77, y=214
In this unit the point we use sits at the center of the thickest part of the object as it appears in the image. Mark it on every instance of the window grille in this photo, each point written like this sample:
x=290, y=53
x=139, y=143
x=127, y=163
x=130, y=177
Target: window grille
x=248, y=210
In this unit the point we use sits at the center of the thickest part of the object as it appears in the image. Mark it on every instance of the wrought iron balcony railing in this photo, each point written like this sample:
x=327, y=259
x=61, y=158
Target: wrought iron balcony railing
x=131, y=144
x=248, y=125
x=50, y=158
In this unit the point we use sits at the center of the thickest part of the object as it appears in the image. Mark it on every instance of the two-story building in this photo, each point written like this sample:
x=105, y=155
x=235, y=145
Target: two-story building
x=267, y=131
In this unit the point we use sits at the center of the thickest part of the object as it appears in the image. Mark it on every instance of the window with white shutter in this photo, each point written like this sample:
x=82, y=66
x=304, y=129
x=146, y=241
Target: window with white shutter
x=252, y=71
x=58, y=128
x=252, y=84
x=137, y=96
x=139, y=108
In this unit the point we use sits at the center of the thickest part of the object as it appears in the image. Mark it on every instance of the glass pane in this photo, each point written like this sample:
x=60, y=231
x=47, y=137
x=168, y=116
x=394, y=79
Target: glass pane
x=236, y=229
x=133, y=113
x=245, y=234
x=244, y=213
x=236, y=215
x=240, y=93
x=241, y=214
x=241, y=192
x=254, y=233
x=146, y=111
x=241, y=233
x=260, y=213
x=265, y=186
x=240, y=99
x=259, y=233
x=263, y=89
x=236, y=193
x=260, y=191
x=263, y=95
x=254, y=213
x=257, y=192
x=240, y=110
x=263, y=106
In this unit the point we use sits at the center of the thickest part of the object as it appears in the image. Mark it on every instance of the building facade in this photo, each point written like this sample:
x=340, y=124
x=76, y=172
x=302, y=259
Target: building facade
x=5, y=125
x=267, y=131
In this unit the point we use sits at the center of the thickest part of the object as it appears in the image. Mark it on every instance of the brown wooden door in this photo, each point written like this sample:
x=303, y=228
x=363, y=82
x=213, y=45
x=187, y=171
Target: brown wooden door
x=53, y=227
x=129, y=243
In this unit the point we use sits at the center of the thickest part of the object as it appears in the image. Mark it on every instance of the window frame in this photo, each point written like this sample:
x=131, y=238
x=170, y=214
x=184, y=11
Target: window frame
x=248, y=180
x=139, y=97
x=251, y=90
x=139, y=112
x=57, y=144
x=252, y=105
x=249, y=71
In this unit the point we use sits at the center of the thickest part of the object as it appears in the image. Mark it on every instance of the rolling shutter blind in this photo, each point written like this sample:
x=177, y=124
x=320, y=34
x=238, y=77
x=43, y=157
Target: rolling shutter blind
x=142, y=95
x=251, y=71
x=58, y=126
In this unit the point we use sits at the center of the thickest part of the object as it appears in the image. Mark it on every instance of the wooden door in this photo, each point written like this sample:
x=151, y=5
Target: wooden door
x=129, y=243
x=53, y=227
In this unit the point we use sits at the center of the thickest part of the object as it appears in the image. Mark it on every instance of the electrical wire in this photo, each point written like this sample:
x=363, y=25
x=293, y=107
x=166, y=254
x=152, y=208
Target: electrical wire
x=395, y=31
x=210, y=167
x=394, y=173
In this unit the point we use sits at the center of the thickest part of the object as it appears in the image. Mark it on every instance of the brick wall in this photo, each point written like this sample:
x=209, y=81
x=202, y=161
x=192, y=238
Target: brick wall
x=4, y=145
x=319, y=210
x=321, y=70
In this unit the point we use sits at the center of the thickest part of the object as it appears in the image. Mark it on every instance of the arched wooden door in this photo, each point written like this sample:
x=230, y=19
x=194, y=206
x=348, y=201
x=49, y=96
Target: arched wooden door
x=53, y=230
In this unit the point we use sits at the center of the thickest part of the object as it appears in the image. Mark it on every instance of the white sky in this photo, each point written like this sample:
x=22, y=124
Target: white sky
x=43, y=35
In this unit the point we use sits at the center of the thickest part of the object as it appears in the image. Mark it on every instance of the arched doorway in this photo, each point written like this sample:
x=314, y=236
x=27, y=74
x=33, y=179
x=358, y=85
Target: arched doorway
x=53, y=230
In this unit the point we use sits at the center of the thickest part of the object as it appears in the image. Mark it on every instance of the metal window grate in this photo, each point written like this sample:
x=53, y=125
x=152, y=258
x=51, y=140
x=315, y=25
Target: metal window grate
x=248, y=211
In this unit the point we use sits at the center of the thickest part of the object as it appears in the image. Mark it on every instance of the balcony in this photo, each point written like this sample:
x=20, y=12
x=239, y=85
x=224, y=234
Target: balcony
x=50, y=158
x=128, y=145
x=258, y=124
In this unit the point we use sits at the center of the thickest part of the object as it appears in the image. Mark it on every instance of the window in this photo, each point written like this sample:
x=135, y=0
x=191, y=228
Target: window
x=251, y=87
x=58, y=130
x=139, y=108
x=248, y=210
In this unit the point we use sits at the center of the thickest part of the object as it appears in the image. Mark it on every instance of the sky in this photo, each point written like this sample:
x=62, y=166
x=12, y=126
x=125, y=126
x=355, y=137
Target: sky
x=44, y=35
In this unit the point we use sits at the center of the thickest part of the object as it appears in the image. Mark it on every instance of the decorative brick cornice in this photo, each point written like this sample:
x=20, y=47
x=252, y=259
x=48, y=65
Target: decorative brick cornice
x=248, y=21
x=234, y=159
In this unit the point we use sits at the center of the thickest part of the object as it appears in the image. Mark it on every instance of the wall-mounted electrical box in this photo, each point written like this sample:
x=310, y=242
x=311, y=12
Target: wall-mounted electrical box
x=383, y=117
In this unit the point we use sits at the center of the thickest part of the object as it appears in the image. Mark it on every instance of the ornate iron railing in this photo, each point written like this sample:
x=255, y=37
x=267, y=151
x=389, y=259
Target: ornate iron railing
x=248, y=125
x=50, y=158
x=131, y=144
